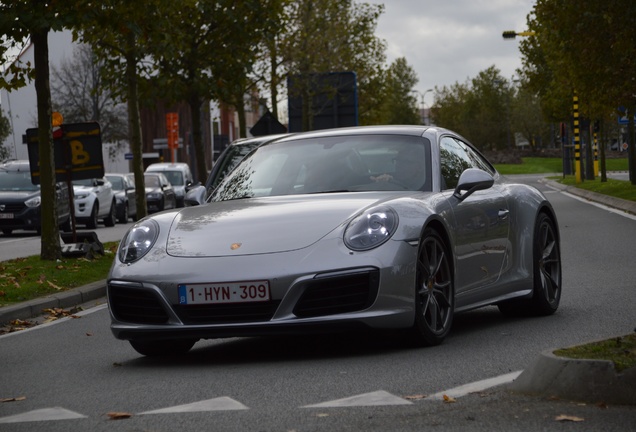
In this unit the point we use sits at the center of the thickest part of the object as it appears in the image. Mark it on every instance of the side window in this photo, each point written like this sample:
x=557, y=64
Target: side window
x=477, y=160
x=457, y=156
x=453, y=161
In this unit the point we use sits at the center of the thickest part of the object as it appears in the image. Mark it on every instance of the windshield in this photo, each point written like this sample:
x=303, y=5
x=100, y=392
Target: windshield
x=151, y=181
x=85, y=182
x=331, y=164
x=117, y=182
x=174, y=177
x=230, y=160
x=17, y=181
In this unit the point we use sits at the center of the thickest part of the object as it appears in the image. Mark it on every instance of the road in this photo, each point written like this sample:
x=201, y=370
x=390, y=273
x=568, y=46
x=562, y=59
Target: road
x=77, y=371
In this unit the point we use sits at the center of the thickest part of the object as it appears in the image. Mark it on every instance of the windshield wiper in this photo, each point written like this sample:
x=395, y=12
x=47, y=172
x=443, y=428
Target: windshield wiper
x=329, y=191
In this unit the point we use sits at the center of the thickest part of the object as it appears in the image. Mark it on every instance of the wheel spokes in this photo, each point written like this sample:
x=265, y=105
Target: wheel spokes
x=435, y=286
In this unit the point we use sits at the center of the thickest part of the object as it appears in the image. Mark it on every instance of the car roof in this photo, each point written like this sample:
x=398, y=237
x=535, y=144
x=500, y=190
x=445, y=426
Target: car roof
x=164, y=165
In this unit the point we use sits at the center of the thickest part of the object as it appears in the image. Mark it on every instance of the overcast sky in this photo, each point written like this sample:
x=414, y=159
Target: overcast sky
x=449, y=41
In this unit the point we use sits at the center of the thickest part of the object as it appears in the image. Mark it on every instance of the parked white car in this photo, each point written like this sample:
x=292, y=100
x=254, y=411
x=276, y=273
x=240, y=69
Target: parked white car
x=94, y=200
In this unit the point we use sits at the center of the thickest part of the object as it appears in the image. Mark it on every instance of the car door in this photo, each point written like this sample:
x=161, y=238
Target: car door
x=103, y=191
x=481, y=222
x=168, y=192
x=129, y=188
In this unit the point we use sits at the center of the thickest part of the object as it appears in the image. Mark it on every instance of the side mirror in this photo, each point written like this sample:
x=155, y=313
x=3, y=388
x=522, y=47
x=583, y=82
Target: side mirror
x=99, y=182
x=472, y=180
x=195, y=196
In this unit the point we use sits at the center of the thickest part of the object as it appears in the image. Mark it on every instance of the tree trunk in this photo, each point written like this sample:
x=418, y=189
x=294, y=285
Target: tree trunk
x=195, y=109
x=134, y=127
x=274, y=83
x=631, y=152
x=50, y=240
x=240, y=110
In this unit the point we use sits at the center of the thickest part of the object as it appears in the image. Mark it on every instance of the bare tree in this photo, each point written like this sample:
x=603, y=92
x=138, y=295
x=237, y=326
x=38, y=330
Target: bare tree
x=78, y=93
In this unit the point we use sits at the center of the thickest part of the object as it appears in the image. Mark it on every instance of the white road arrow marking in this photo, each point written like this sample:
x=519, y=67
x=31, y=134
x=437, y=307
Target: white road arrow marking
x=377, y=398
x=216, y=404
x=44, y=414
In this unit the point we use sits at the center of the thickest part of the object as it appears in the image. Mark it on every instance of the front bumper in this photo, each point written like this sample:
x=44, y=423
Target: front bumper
x=366, y=292
x=21, y=217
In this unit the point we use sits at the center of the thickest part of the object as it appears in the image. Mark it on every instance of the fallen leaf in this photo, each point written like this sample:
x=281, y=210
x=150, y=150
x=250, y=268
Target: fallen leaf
x=14, y=399
x=89, y=334
x=322, y=415
x=448, y=399
x=114, y=415
x=52, y=285
x=117, y=364
x=415, y=397
x=564, y=417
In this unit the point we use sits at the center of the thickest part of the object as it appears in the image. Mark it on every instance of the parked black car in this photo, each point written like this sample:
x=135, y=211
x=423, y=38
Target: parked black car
x=160, y=194
x=20, y=200
x=125, y=196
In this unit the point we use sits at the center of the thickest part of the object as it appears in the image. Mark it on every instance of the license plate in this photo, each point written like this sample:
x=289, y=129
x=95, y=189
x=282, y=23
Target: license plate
x=6, y=215
x=226, y=292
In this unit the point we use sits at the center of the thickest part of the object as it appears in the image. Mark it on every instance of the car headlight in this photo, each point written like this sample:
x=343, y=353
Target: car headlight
x=371, y=228
x=81, y=196
x=138, y=241
x=33, y=202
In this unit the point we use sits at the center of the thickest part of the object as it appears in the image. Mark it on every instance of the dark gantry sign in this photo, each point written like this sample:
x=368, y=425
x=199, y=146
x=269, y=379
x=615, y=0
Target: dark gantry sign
x=267, y=125
x=333, y=100
x=77, y=149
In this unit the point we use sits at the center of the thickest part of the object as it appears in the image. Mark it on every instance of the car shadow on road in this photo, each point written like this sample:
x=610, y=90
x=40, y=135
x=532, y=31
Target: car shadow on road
x=310, y=347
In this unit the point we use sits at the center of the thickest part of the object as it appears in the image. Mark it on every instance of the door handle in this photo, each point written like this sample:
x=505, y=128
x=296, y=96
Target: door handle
x=503, y=214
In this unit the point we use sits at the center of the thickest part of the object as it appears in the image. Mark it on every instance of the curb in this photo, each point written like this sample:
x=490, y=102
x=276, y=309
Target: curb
x=616, y=203
x=73, y=297
x=582, y=380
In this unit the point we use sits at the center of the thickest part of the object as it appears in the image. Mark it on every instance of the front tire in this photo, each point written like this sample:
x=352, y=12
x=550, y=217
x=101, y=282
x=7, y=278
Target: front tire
x=156, y=348
x=92, y=219
x=434, y=291
x=546, y=293
x=124, y=216
x=110, y=220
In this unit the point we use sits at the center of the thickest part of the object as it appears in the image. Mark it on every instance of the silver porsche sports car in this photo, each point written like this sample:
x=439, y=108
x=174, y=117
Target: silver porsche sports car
x=384, y=227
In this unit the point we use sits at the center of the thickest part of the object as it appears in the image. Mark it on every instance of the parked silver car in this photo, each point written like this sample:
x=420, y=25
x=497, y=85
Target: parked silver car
x=391, y=227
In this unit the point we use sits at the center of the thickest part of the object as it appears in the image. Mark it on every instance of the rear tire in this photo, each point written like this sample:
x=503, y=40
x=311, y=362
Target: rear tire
x=157, y=348
x=434, y=291
x=110, y=220
x=546, y=293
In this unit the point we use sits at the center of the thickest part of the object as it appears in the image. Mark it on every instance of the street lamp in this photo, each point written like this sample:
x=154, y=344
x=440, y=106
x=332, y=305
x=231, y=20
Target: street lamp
x=511, y=34
x=427, y=116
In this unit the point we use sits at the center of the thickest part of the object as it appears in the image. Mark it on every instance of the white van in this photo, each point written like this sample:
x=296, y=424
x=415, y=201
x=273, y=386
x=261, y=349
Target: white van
x=178, y=174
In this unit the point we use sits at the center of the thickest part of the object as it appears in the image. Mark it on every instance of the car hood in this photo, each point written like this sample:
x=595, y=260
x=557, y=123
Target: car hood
x=16, y=196
x=262, y=225
x=79, y=188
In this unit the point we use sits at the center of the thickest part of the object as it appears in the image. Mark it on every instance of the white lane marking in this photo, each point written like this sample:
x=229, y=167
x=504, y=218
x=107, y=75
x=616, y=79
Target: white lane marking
x=57, y=321
x=216, y=404
x=475, y=386
x=376, y=398
x=601, y=206
x=44, y=414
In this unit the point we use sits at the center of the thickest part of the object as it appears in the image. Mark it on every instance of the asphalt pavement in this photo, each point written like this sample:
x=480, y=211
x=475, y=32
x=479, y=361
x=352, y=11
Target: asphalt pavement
x=559, y=390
